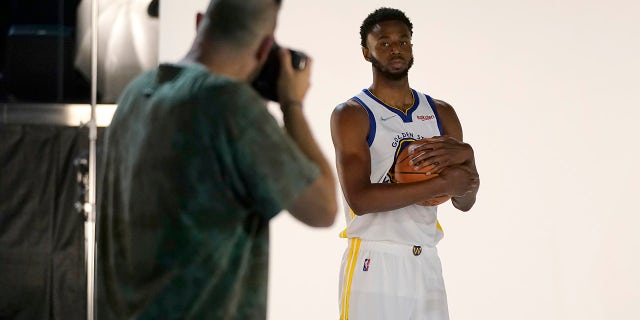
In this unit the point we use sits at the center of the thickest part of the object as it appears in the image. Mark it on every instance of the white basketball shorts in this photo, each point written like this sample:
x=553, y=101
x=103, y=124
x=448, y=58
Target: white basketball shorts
x=382, y=280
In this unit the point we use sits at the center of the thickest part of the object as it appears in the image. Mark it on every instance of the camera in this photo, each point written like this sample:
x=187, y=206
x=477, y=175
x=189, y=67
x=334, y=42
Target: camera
x=266, y=83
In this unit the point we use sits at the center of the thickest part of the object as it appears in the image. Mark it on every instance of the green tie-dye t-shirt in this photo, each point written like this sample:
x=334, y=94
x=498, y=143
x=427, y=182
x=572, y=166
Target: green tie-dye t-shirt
x=193, y=168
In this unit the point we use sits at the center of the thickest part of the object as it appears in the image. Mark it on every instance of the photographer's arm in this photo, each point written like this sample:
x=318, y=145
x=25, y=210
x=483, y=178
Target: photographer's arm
x=317, y=205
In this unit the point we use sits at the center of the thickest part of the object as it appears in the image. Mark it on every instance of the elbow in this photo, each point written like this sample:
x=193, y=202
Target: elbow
x=331, y=214
x=316, y=215
x=358, y=211
x=325, y=210
x=328, y=207
x=327, y=221
x=361, y=203
x=327, y=215
x=462, y=206
x=359, y=208
x=317, y=207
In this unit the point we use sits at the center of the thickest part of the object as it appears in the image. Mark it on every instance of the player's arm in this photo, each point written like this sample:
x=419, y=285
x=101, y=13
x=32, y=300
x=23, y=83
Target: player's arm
x=349, y=130
x=452, y=151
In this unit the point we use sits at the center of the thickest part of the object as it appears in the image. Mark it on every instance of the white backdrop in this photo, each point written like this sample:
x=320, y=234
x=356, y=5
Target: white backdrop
x=547, y=94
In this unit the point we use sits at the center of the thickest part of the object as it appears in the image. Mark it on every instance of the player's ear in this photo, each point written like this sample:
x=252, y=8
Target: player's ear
x=366, y=53
x=263, y=49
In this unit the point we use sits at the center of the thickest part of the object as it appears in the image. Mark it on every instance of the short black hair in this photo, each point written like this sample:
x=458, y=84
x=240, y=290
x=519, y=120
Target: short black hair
x=380, y=15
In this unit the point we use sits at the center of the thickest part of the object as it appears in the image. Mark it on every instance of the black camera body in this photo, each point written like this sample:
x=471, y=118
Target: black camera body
x=266, y=82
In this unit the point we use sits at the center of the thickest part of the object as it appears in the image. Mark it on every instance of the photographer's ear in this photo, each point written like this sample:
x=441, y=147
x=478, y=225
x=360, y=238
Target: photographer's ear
x=264, y=48
x=199, y=17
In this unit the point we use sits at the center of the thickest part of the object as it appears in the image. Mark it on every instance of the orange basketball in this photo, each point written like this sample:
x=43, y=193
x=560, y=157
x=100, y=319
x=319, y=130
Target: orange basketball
x=404, y=172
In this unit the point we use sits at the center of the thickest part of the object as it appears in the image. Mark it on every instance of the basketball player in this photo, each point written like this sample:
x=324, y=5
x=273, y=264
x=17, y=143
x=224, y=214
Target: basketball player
x=391, y=268
x=194, y=169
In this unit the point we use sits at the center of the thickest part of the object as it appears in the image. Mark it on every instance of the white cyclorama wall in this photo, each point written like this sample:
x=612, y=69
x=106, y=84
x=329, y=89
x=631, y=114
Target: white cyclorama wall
x=547, y=93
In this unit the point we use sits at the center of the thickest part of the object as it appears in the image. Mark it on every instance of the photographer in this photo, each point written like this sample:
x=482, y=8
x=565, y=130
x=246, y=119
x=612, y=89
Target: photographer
x=194, y=167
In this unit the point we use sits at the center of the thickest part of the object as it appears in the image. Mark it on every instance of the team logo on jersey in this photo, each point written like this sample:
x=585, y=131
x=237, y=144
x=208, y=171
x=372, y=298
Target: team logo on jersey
x=366, y=264
x=401, y=145
x=417, y=250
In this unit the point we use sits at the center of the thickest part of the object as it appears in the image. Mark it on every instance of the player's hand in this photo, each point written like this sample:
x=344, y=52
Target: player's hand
x=292, y=84
x=441, y=152
x=460, y=180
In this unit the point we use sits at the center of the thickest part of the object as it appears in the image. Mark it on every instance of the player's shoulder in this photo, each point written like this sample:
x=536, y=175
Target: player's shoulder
x=352, y=104
x=348, y=105
x=449, y=119
x=350, y=113
x=349, y=108
x=443, y=107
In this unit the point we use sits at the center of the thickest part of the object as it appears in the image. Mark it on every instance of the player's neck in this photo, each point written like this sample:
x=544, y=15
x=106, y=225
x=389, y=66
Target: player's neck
x=390, y=87
x=397, y=95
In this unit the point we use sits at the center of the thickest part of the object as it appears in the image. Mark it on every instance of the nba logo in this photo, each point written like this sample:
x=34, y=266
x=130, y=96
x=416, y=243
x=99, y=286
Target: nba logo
x=366, y=264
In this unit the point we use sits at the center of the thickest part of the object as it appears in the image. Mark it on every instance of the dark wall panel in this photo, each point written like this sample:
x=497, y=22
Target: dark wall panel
x=42, y=270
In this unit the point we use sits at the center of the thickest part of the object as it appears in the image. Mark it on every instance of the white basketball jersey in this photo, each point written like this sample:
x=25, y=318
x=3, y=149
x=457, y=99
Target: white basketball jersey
x=389, y=131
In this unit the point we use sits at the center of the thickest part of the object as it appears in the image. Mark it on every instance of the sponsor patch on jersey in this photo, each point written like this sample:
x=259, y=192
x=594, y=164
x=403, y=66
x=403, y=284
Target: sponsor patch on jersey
x=366, y=264
x=426, y=118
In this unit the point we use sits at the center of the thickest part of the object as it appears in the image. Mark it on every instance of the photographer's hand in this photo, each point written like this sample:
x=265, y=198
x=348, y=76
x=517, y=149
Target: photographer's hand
x=292, y=84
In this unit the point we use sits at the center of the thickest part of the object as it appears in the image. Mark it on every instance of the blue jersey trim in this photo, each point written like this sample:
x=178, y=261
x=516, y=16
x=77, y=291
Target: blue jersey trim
x=405, y=117
x=435, y=111
x=372, y=122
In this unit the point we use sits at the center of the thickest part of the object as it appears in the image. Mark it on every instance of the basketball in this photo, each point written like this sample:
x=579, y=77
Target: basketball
x=404, y=173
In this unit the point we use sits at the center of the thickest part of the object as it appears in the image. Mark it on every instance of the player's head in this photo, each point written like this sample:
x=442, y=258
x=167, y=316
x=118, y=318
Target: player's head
x=239, y=23
x=382, y=15
x=386, y=43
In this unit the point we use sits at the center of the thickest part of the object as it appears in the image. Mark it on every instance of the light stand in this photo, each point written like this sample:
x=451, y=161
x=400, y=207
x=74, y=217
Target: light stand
x=90, y=208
